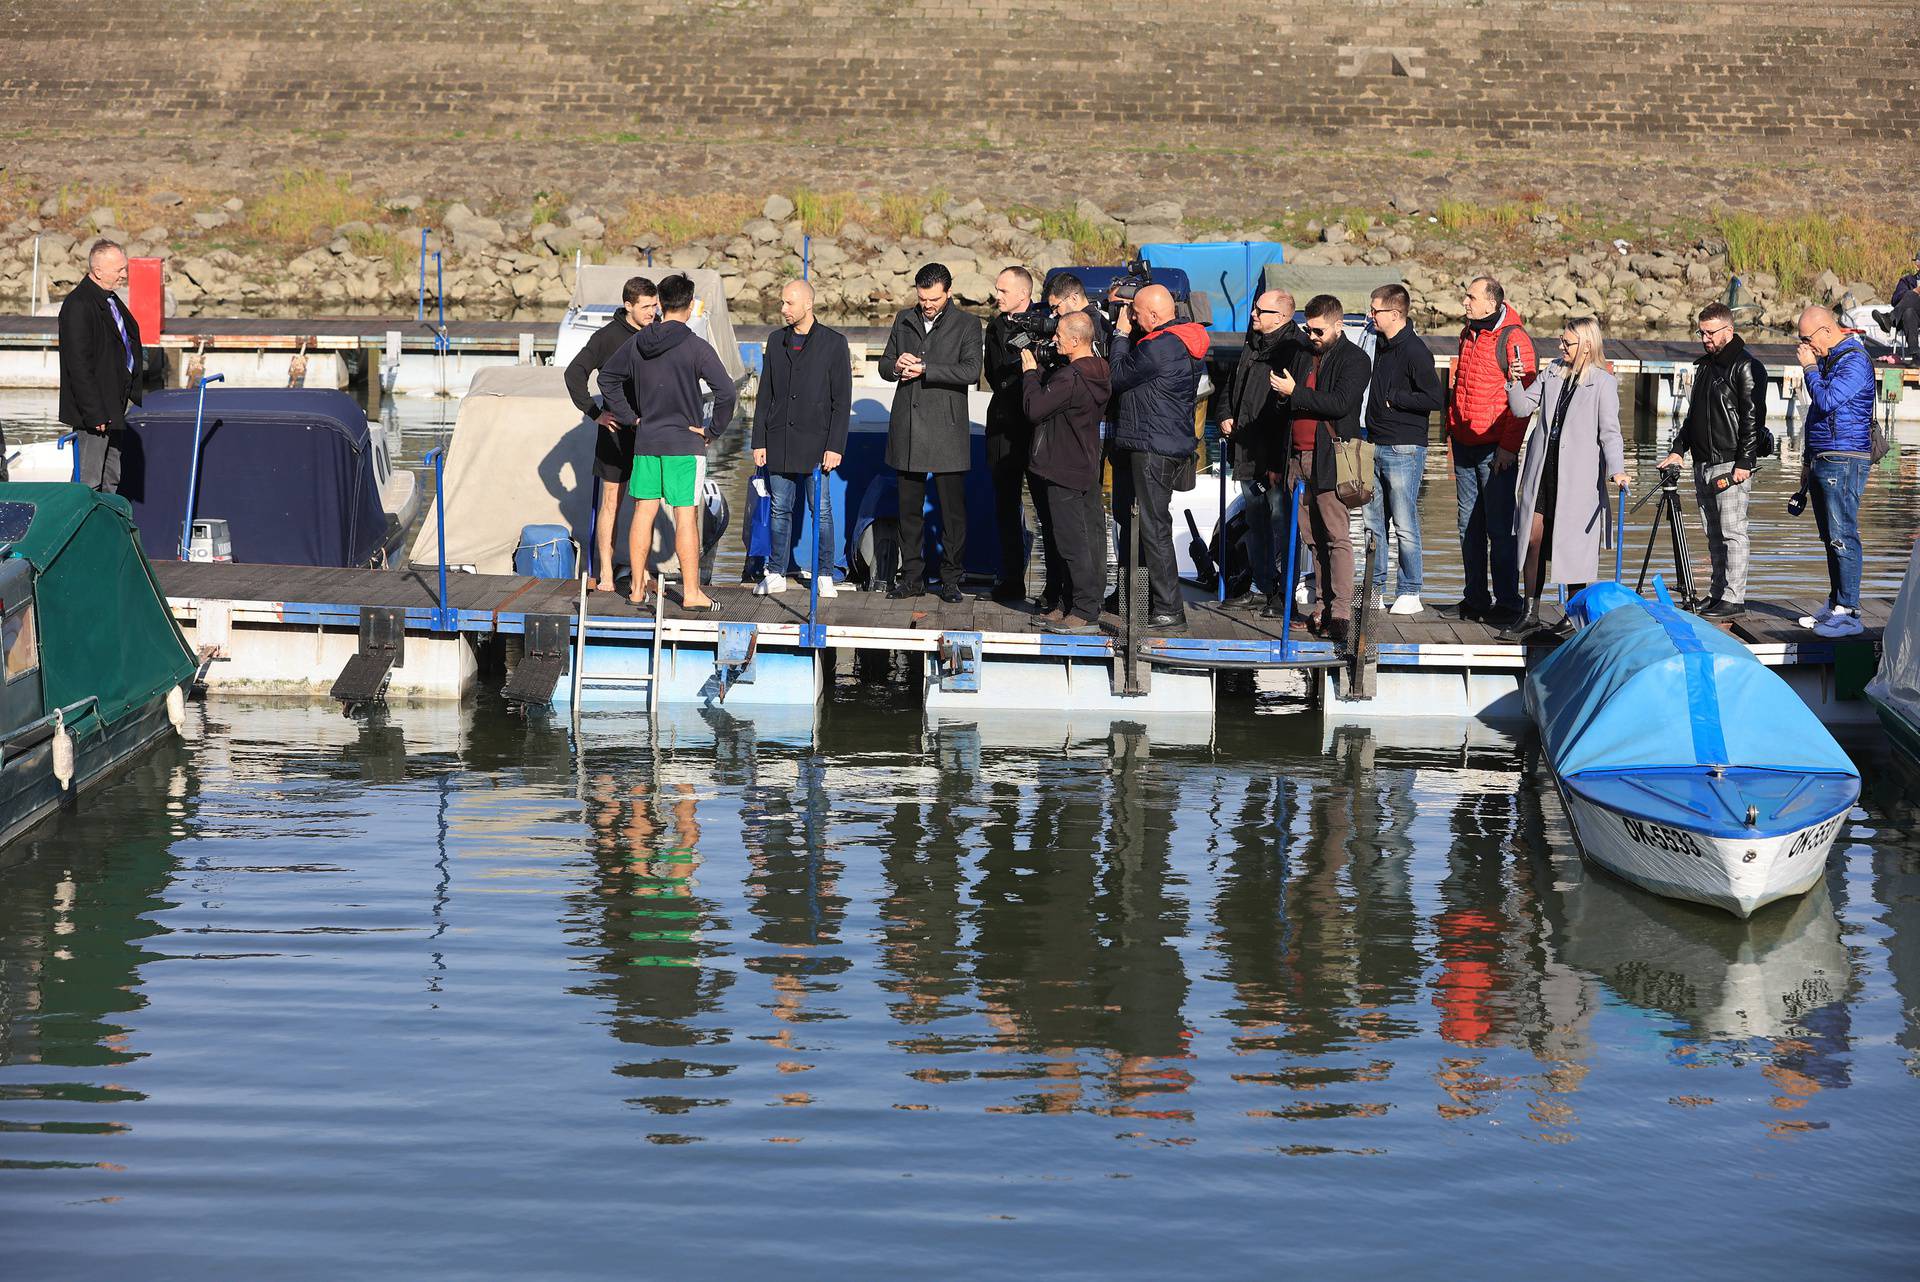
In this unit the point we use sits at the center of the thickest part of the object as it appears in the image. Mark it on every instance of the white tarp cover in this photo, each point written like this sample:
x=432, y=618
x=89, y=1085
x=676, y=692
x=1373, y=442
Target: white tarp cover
x=1897, y=684
x=599, y=284
x=520, y=455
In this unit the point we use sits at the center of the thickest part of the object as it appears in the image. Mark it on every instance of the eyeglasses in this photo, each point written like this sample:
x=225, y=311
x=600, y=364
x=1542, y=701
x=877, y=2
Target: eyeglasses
x=1805, y=338
x=1715, y=333
x=1569, y=342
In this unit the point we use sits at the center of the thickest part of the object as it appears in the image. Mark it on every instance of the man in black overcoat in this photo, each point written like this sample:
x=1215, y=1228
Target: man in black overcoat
x=799, y=424
x=100, y=363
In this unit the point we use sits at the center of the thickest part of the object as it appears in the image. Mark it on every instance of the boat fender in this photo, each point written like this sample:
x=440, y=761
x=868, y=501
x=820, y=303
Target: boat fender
x=177, y=708
x=62, y=753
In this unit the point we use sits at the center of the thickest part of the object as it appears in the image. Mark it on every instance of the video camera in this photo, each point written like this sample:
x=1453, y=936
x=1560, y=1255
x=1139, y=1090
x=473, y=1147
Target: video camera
x=1111, y=288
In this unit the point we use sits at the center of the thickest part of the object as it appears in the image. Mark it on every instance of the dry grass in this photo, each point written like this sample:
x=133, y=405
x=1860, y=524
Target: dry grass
x=825, y=213
x=1091, y=243
x=1458, y=217
x=1797, y=249
x=900, y=216
x=667, y=221
x=305, y=206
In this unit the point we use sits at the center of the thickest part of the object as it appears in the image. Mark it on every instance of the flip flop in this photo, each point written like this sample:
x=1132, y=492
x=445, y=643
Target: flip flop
x=704, y=607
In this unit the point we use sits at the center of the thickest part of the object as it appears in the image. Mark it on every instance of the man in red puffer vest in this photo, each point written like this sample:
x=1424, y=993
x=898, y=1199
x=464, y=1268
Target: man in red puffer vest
x=1485, y=438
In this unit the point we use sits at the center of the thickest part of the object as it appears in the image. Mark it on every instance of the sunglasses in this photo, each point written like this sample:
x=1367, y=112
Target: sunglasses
x=1317, y=332
x=1268, y=311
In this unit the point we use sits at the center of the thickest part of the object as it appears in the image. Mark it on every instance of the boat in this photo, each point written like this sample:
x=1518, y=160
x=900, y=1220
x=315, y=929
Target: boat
x=596, y=299
x=1685, y=765
x=298, y=475
x=94, y=664
x=1895, y=688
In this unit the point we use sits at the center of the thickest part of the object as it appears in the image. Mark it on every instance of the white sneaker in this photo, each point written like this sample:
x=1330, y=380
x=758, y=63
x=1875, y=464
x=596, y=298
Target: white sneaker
x=1844, y=623
x=1406, y=603
x=826, y=586
x=772, y=585
x=1815, y=620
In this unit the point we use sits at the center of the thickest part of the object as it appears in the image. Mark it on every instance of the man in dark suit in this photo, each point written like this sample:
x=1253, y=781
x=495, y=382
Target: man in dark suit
x=100, y=363
x=800, y=423
x=934, y=353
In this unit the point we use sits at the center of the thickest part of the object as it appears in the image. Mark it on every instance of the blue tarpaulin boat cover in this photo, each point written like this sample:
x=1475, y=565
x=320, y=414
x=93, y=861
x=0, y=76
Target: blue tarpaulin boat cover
x=1645, y=686
x=1227, y=272
x=289, y=469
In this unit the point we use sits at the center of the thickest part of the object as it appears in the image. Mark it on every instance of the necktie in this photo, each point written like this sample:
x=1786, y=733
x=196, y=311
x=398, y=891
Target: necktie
x=113, y=310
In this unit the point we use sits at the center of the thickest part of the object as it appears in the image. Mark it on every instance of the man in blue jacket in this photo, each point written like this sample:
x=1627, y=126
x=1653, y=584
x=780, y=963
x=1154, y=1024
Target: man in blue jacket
x=1156, y=379
x=1839, y=377
x=666, y=363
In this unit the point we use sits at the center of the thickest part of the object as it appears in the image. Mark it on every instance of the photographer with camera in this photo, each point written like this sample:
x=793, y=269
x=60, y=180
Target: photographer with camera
x=1726, y=420
x=1255, y=426
x=1067, y=294
x=934, y=353
x=1839, y=453
x=1323, y=387
x=1010, y=337
x=1066, y=404
x=1156, y=365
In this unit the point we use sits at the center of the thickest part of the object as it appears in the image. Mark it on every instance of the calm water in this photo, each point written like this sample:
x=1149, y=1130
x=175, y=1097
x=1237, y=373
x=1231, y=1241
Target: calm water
x=433, y=996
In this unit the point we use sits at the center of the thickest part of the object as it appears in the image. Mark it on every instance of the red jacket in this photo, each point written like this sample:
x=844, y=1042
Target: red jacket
x=1477, y=412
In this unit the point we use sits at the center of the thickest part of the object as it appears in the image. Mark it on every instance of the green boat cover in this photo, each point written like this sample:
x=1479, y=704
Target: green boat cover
x=105, y=629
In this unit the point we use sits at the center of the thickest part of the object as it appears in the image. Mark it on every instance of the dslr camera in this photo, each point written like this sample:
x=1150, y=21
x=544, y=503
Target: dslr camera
x=1034, y=331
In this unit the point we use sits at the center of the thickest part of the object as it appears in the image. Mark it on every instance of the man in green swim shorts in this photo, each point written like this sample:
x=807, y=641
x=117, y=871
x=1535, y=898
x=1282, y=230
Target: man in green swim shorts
x=667, y=362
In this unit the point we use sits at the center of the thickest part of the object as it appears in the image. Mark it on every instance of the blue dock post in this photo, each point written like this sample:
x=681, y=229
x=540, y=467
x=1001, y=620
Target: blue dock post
x=71, y=441
x=1293, y=543
x=806, y=257
x=193, y=466
x=443, y=617
x=815, y=637
x=1620, y=534
x=440, y=343
x=420, y=302
x=1220, y=557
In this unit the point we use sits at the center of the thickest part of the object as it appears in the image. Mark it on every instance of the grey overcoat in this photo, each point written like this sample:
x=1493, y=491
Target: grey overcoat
x=930, y=430
x=1590, y=452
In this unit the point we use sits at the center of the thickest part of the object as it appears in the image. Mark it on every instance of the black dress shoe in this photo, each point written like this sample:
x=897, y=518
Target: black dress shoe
x=1276, y=607
x=1008, y=594
x=1520, y=629
x=1722, y=610
x=1335, y=630
x=1464, y=610
x=951, y=594
x=1245, y=601
x=901, y=591
x=1506, y=616
x=1883, y=319
x=1167, y=622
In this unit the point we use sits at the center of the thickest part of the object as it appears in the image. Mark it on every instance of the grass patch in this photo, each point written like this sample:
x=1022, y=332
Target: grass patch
x=1091, y=242
x=1795, y=250
x=1459, y=217
x=548, y=206
x=305, y=206
x=900, y=216
x=667, y=221
x=824, y=213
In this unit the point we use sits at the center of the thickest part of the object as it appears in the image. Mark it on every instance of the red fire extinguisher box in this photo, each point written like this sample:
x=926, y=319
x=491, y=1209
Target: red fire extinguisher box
x=146, y=296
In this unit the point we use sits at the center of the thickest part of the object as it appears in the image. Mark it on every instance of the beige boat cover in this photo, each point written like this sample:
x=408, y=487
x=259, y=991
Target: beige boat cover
x=520, y=455
x=599, y=284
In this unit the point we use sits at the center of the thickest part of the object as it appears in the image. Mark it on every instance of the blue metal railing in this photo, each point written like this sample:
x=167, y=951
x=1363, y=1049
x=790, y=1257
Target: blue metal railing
x=815, y=635
x=1220, y=555
x=1293, y=543
x=71, y=441
x=420, y=302
x=193, y=465
x=444, y=617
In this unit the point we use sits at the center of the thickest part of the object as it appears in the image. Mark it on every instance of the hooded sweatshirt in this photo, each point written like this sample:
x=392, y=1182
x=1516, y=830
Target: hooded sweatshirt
x=667, y=363
x=1065, y=406
x=1156, y=380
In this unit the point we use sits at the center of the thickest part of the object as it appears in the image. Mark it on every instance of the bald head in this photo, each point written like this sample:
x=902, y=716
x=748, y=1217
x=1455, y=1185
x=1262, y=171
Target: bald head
x=1819, y=329
x=1272, y=310
x=1153, y=306
x=1075, y=335
x=796, y=305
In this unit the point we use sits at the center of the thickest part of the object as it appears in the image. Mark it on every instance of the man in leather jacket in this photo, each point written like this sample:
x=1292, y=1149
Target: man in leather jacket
x=1724, y=425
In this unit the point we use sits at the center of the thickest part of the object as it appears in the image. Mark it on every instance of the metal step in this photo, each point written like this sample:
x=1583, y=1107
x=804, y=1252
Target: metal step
x=544, y=662
x=383, y=642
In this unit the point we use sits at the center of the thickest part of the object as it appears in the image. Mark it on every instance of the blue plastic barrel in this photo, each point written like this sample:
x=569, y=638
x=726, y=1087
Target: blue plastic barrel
x=545, y=552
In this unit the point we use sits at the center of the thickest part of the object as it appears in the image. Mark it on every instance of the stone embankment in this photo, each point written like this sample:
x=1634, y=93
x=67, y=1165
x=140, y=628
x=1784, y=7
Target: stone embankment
x=520, y=261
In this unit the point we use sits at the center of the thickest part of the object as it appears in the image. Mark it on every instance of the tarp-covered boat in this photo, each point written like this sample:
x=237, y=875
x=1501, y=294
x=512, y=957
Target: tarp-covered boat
x=93, y=660
x=1686, y=765
x=1895, y=688
x=296, y=473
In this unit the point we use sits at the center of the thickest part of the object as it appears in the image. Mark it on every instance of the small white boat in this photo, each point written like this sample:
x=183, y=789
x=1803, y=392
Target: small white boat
x=1685, y=764
x=1895, y=688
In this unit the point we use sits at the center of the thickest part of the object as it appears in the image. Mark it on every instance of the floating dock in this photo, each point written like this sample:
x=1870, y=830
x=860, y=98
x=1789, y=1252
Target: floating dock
x=295, y=630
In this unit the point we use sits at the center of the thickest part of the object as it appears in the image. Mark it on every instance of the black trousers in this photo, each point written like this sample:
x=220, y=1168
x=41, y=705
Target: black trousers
x=1906, y=318
x=950, y=490
x=1073, y=530
x=1007, y=454
x=1148, y=478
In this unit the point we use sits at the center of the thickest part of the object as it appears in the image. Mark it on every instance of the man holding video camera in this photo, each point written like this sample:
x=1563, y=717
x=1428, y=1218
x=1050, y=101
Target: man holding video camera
x=1724, y=424
x=1009, y=432
x=1067, y=294
x=1157, y=363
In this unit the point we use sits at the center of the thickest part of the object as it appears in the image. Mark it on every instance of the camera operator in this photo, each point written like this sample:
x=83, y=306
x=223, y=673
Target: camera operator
x=1255, y=425
x=1066, y=405
x=1722, y=431
x=1010, y=432
x=1067, y=294
x=1156, y=365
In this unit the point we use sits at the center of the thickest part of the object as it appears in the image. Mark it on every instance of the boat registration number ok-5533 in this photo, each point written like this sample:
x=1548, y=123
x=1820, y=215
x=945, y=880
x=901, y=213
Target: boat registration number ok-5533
x=1816, y=837
x=1661, y=838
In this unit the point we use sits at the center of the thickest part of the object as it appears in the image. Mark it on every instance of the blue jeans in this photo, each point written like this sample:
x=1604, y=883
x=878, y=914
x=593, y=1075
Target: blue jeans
x=1486, y=500
x=786, y=491
x=1838, y=480
x=1265, y=513
x=1396, y=490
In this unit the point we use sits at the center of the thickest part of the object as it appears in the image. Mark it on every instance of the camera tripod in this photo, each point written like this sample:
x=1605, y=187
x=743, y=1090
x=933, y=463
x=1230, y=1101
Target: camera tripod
x=1668, y=508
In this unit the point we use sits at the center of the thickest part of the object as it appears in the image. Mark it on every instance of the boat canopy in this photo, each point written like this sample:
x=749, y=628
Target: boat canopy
x=599, y=285
x=1897, y=684
x=104, y=625
x=290, y=470
x=1228, y=272
x=1645, y=686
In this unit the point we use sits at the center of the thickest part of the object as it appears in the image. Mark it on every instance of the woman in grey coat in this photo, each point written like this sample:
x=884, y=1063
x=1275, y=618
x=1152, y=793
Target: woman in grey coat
x=1562, y=518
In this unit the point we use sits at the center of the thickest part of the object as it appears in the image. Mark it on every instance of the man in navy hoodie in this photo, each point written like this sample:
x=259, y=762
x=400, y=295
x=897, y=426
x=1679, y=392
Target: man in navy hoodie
x=666, y=363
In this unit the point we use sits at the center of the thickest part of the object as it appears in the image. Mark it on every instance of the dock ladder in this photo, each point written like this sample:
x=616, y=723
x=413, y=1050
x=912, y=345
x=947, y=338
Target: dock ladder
x=649, y=680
